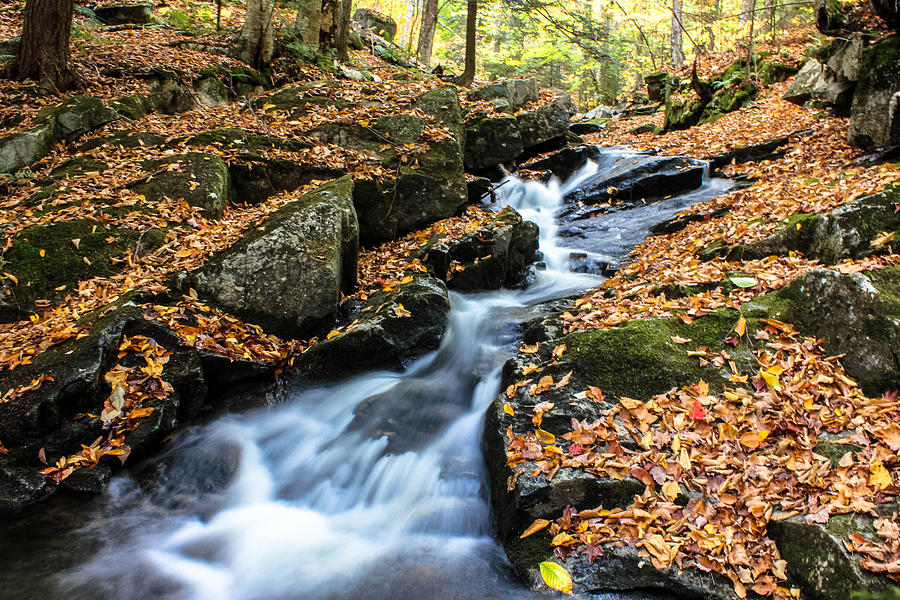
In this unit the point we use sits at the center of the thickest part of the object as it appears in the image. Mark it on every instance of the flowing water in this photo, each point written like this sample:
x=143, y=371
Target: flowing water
x=373, y=488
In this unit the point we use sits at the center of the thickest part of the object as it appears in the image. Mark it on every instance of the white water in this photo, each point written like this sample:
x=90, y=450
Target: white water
x=323, y=506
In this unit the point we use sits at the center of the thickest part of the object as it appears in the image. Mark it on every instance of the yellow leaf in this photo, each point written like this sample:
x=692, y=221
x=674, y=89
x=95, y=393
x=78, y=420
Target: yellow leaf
x=680, y=340
x=268, y=106
x=740, y=327
x=879, y=475
x=76, y=242
x=535, y=527
x=684, y=460
x=42, y=252
x=770, y=379
x=556, y=577
x=332, y=333
x=544, y=437
x=11, y=277
x=407, y=279
x=671, y=490
x=526, y=349
x=508, y=409
x=401, y=312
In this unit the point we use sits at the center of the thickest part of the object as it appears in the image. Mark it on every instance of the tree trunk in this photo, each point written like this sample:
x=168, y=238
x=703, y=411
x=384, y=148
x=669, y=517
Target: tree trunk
x=677, y=51
x=426, y=31
x=44, y=50
x=342, y=30
x=256, y=41
x=468, y=76
x=306, y=25
x=747, y=9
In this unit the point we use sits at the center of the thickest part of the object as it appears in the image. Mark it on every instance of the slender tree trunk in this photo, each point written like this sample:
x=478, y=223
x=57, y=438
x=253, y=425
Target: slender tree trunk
x=342, y=30
x=44, y=50
x=426, y=31
x=747, y=7
x=468, y=75
x=256, y=42
x=675, y=37
x=750, y=41
x=307, y=23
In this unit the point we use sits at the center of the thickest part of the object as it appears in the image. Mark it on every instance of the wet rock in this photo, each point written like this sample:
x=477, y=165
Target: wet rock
x=383, y=336
x=432, y=189
x=509, y=95
x=854, y=229
x=586, y=127
x=874, y=115
x=480, y=189
x=755, y=152
x=21, y=487
x=818, y=560
x=545, y=123
x=88, y=481
x=122, y=14
x=858, y=315
x=566, y=162
x=492, y=141
x=492, y=257
x=383, y=25
x=679, y=222
x=635, y=179
x=202, y=180
x=288, y=277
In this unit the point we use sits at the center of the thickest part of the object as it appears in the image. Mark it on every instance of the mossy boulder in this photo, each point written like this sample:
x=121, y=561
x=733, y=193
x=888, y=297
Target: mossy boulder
x=19, y=150
x=855, y=229
x=132, y=107
x=817, y=81
x=76, y=116
x=429, y=187
x=659, y=84
x=211, y=92
x=492, y=141
x=124, y=14
x=874, y=117
x=682, y=115
x=79, y=165
x=381, y=24
x=123, y=139
x=567, y=161
x=48, y=261
x=202, y=180
x=818, y=560
x=442, y=104
x=288, y=276
x=858, y=315
x=508, y=95
x=169, y=94
x=383, y=336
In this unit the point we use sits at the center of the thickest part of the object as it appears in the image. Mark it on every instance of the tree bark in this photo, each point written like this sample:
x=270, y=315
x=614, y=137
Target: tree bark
x=677, y=50
x=426, y=31
x=306, y=25
x=44, y=49
x=342, y=30
x=468, y=76
x=256, y=41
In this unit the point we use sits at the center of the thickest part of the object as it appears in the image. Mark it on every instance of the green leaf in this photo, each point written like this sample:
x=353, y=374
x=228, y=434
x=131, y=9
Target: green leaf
x=742, y=281
x=556, y=576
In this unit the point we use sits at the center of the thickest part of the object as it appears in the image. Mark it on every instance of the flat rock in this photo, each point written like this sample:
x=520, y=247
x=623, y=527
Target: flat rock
x=202, y=180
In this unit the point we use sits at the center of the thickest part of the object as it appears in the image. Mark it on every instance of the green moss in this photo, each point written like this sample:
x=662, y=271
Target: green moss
x=78, y=166
x=640, y=359
x=64, y=264
x=835, y=451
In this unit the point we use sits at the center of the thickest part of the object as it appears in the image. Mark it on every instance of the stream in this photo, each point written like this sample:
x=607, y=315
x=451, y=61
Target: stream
x=307, y=500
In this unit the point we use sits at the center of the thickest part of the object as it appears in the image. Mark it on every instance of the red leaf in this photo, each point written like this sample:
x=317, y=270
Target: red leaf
x=697, y=411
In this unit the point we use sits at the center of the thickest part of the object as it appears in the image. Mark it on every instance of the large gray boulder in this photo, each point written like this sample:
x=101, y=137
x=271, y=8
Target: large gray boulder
x=427, y=187
x=858, y=315
x=874, y=115
x=288, y=277
x=391, y=329
x=546, y=123
x=19, y=150
x=492, y=141
x=817, y=81
x=442, y=104
x=509, y=95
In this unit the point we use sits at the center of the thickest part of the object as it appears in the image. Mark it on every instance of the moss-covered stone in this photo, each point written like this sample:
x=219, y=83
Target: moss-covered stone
x=79, y=166
x=647, y=128
x=202, y=180
x=19, y=150
x=45, y=257
x=491, y=141
x=124, y=139
x=442, y=103
x=874, y=119
x=169, y=94
x=211, y=92
x=76, y=116
x=682, y=115
x=132, y=107
x=855, y=318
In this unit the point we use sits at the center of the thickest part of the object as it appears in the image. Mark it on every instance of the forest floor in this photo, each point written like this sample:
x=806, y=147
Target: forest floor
x=817, y=172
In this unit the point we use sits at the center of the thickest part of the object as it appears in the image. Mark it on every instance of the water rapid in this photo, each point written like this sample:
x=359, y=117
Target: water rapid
x=372, y=488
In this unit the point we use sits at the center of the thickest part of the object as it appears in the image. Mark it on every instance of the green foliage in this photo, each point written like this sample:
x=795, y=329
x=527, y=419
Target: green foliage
x=310, y=55
x=199, y=18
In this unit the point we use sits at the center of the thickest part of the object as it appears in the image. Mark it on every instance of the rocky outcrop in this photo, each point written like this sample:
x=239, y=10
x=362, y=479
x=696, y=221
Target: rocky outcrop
x=857, y=228
x=816, y=80
x=202, y=180
x=382, y=25
x=495, y=256
x=566, y=162
x=65, y=121
x=633, y=179
x=875, y=113
x=545, y=123
x=169, y=94
x=858, y=315
x=288, y=277
x=509, y=95
x=432, y=186
x=390, y=330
